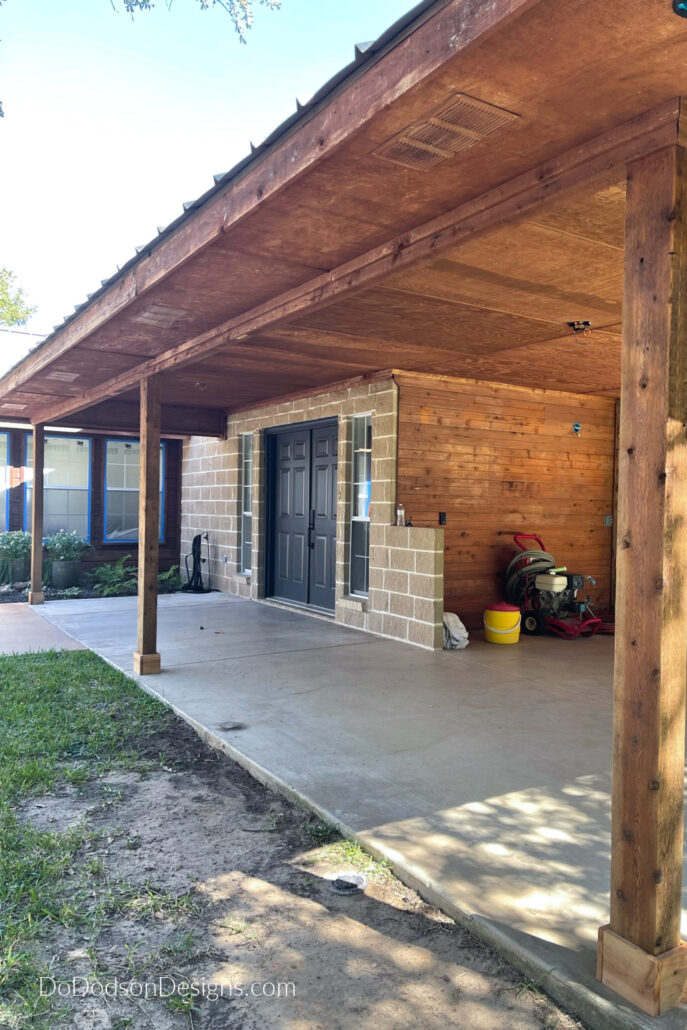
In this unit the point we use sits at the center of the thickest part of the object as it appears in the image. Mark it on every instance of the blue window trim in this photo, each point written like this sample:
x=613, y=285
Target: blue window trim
x=163, y=491
x=59, y=436
x=7, y=488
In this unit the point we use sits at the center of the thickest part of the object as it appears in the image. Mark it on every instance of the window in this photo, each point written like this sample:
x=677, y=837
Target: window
x=361, y=482
x=122, y=460
x=246, y=532
x=66, y=485
x=4, y=481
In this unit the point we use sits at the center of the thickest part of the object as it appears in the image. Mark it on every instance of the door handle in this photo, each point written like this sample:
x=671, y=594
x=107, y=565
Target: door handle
x=311, y=529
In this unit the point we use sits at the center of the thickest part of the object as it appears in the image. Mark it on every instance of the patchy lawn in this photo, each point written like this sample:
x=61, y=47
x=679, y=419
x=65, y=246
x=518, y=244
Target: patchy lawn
x=135, y=860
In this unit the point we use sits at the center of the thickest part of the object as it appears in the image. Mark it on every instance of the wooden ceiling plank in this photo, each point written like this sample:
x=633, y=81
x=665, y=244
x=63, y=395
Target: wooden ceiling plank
x=598, y=158
x=118, y=415
x=453, y=29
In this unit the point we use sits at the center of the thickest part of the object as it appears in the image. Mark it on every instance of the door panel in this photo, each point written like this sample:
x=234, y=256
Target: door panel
x=304, y=520
x=292, y=476
x=323, y=507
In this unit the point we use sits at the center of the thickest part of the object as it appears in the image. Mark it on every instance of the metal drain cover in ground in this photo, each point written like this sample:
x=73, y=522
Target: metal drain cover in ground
x=349, y=883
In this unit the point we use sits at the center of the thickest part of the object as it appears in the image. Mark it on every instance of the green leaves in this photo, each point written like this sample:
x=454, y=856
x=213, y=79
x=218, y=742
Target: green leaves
x=14, y=307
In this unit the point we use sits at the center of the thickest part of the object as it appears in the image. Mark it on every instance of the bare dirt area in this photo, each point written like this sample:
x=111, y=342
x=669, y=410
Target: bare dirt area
x=215, y=899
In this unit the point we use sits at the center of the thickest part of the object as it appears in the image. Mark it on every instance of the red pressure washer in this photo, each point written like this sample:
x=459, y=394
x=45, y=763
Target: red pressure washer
x=547, y=594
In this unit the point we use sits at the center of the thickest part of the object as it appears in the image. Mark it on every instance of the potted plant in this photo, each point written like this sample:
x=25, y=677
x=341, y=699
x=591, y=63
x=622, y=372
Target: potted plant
x=65, y=551
x=15, y=556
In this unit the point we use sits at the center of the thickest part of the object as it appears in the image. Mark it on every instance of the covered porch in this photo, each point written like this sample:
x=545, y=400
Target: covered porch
x=441, y=208
x=483, y=775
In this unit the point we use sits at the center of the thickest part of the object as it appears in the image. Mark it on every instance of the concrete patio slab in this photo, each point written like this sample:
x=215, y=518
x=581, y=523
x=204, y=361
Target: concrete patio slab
x=483, y=775
x=22, y=630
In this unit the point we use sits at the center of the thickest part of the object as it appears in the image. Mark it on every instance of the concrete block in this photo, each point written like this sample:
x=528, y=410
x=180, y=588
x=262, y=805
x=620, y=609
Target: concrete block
x=429, y=563
x=384, y=425
x=379, y=558
x=425, y=635
x=402, y=604
x=395, y=626
x=375, y=622
x=396, y=581
x=378, y=600
x=428, y=610
x=382, y=512
x=422, y=539
x=397, y=536
x=376, y=578
x=426, y=586
x=400, y=560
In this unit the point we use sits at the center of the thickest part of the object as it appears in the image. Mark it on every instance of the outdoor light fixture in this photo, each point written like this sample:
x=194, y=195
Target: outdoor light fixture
x=581, y=326
x=680, y=8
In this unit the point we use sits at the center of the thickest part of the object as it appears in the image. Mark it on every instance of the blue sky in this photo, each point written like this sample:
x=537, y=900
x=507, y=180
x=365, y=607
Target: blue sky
x=111, y=124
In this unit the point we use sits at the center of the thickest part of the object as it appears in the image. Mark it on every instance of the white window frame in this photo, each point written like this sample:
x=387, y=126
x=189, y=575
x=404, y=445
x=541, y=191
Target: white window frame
x=109, y=541
x=247, y=450
x=360, y=494
x=84, y=441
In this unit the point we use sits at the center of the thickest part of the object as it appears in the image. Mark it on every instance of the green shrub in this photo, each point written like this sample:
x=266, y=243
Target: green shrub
x=15, y=543
x=15, y=546
x=64, y=546
x=169, y=582
x=116, y=579
x=120, y=580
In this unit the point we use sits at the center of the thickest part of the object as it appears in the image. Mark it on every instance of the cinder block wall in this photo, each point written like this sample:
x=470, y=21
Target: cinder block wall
x=407, y=584
x=211, y=480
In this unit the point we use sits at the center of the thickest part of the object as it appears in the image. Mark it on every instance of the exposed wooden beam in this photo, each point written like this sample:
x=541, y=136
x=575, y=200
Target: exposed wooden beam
x=36, y=595
x=641, y=955
x=457, y=26
x=117, y=416
x=146, y=656
x=597, y=159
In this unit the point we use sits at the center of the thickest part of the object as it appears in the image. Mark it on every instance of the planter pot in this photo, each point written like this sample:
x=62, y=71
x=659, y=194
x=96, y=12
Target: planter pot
x=65, y=574
x=21, y=570
x=14, y=570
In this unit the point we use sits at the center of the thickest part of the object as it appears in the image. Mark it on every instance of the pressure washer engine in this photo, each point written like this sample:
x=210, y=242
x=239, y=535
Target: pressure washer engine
x=547, y=594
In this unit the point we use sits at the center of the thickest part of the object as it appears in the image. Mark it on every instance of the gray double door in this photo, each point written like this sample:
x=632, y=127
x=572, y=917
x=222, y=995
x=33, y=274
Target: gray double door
x=303, y=514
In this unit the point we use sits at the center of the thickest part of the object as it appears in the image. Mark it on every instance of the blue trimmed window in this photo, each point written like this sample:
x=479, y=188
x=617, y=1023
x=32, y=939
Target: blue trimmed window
x=4, y=481
x=122, y=462
x=66, y=485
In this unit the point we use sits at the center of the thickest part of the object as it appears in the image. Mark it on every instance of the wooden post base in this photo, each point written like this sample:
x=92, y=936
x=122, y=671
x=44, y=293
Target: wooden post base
x=36, y=597
x=146, y=664
x=654, y=983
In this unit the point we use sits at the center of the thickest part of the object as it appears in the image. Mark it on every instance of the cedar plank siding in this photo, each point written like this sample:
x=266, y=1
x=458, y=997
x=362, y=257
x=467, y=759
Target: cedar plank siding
x=501, y=460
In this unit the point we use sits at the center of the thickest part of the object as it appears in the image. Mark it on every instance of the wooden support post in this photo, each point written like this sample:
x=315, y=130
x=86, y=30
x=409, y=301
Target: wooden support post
x=36, y=595
x=641, y=955
x=146, y=657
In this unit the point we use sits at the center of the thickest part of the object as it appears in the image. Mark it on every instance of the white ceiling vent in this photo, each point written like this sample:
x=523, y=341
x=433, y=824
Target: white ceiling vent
x=456, y=125
x=63, y=377
x=161, y=315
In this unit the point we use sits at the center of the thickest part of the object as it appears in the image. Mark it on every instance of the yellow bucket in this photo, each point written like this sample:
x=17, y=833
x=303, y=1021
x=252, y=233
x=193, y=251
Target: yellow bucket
x=502, y=624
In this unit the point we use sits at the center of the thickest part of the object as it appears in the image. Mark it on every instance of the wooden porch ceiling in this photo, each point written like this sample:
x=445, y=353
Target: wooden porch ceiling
x=494, y=305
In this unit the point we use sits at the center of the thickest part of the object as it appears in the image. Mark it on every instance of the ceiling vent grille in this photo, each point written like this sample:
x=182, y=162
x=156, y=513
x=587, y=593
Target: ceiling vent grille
x=456, y=125
x=63, y=377
x=161, y=315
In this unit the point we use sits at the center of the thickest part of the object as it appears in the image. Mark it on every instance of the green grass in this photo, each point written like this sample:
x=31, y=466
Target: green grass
x=66, y=717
